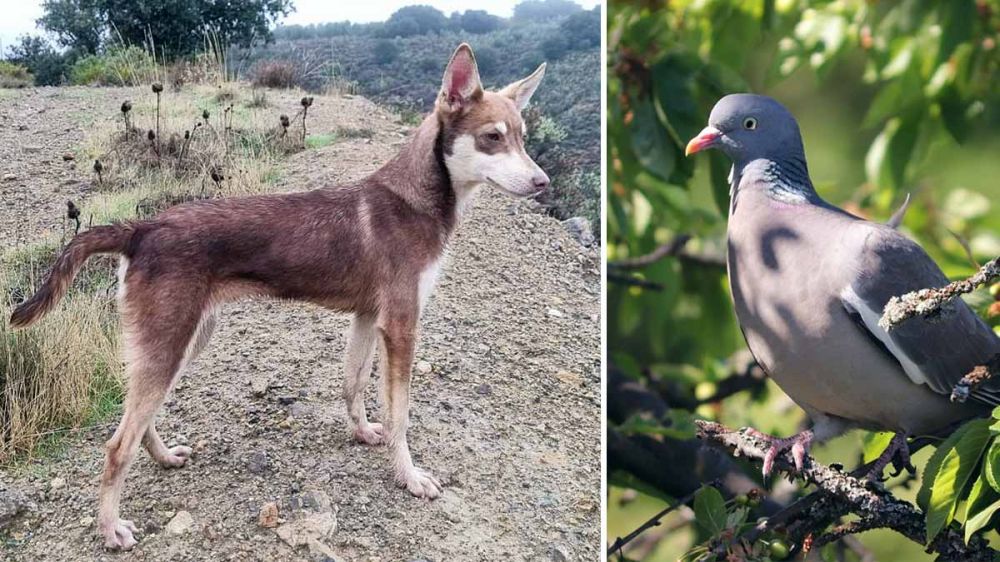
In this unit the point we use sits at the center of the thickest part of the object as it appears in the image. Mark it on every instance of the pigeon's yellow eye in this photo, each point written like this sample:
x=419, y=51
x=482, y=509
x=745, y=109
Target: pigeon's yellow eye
x=750, y=123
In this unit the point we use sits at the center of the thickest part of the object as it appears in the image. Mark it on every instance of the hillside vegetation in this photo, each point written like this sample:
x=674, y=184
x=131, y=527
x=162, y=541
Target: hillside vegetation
x=404, y=71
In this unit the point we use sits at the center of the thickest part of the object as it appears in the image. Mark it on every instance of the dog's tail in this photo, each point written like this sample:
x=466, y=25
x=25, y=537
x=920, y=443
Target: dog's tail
x=97, y=240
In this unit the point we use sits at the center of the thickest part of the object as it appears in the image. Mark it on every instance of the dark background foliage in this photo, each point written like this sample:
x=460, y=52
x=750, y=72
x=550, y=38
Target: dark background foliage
x=892, y=98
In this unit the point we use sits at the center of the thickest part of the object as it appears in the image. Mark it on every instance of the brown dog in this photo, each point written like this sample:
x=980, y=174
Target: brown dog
x=372, y=248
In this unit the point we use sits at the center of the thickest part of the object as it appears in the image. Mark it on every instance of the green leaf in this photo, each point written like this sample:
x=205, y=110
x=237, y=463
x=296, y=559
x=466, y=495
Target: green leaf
x=676, y=423
x=934, y=465
x=980, y=520
x=710, y=510
x=875, y=443
x=889, y=155
x=650, y=142
x=957, y=467
x=719, y=168
x=953, y=114
x=991, y=466
x=981, y=500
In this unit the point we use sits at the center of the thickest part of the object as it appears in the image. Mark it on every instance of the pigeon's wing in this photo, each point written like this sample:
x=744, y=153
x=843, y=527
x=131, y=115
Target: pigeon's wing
x=938, y=351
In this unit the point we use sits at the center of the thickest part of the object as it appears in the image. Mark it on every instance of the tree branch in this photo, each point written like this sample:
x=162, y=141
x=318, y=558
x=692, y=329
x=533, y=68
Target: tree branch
x=927, y=302
x=977, y=376
x=673, y=248
x=845, y=493
x=653, y=521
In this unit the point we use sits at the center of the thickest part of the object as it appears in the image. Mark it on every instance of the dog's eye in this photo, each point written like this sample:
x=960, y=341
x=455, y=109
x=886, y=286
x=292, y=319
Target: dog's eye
x=494, y=137
x=750, y=123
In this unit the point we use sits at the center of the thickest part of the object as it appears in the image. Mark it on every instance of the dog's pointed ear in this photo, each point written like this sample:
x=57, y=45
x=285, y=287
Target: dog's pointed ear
x=461, y=86
x=522, y=90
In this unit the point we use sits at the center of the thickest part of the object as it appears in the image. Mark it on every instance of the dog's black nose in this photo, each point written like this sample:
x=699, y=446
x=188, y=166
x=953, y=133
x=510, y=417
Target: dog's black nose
x=540, y=181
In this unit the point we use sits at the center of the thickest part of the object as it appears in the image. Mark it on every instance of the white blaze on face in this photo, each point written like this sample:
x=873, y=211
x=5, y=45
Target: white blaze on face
x=511, y=170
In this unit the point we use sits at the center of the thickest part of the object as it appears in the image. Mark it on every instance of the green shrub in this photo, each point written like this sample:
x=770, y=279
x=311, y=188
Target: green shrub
x=125, y=66
x=14, y=76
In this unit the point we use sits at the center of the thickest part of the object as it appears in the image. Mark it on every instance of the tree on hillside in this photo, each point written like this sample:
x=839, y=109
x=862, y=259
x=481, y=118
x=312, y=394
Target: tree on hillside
x=540, y=10
x=479, y=21
x=415, y=20
x=174, y=27
x=583, y=29
x=77, y=24
x=36, y=54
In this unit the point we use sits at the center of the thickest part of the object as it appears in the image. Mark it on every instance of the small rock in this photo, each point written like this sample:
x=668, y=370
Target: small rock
x=286, y=423
x=579, y=229
x=9, y=177
x=258, y=386
x=258, y=463
x=22, y=127
x=286, y=399
x=423, y=367
x=558, y=553
x=308, y=530
x=31, y=149
x=298, y=410
x=570, y=378
x=555, y=313
x=268, y=515
x=180, y=524
x=12, y=504
x=68, y=156
x=484, y=390
x=86, y=521
x=57, y=483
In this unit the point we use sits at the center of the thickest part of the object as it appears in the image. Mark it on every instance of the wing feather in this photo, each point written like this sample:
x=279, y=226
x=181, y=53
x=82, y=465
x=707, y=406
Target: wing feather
x=937, y=352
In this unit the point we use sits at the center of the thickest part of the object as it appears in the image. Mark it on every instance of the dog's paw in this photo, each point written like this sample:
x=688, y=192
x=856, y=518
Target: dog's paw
x=420, y=483
x=118, y=535
x=369, y=434
x=176, y=457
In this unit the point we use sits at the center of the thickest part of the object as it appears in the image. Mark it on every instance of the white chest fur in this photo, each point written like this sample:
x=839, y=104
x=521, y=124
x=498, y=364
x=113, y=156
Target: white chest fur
x=428, y=279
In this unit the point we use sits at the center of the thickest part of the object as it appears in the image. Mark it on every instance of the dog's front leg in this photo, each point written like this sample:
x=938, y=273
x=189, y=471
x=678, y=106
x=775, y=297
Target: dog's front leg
x=398, y=329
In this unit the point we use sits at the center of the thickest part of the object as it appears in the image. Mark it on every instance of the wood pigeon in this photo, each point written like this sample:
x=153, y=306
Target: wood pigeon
x=809, y=282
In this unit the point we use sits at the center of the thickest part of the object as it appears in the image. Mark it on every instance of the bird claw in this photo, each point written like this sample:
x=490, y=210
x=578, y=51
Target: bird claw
x=798, y=444
x=898, y=455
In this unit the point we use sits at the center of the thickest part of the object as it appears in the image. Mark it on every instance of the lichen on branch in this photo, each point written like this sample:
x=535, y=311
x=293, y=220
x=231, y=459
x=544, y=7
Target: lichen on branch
x=844, y=493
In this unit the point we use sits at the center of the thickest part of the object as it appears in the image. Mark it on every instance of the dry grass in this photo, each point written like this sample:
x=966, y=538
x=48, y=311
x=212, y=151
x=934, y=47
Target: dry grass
x=274, y=74
x=234, y=152
x=63, y=372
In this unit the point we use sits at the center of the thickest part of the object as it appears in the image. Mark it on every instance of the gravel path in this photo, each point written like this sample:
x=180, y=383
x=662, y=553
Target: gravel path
x=508, y=415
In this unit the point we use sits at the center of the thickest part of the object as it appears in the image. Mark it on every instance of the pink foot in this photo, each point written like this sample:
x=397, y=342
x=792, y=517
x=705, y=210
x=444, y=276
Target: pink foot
x=798, y=443
x=176, y=457
x=369, y=434
x=419, y=482
x=118, y=535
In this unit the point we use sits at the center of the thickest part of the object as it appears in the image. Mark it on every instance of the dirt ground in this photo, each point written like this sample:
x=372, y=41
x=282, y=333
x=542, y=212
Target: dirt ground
x=507, y=415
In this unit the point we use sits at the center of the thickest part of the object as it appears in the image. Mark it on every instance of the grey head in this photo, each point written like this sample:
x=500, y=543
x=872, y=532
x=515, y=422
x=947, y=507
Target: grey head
x=757, y=130
x=747, y=127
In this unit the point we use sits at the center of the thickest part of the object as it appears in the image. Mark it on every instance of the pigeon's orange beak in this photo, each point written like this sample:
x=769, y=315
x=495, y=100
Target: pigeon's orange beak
x=705, y=139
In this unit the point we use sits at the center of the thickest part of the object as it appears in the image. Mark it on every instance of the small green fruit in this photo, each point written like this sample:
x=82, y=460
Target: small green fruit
x=779, y=550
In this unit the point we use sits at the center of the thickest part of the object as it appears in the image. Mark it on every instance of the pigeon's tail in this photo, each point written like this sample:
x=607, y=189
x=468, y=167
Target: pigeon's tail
x=897, y=218
x=97, y=240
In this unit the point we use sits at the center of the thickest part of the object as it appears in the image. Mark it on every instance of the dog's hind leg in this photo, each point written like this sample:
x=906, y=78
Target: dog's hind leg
x=357, y=375
x=398, y=326
x=160, y=320
x=177, y=456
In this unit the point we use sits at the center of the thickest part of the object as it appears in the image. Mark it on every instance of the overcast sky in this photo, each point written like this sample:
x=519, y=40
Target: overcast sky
x=19, y=16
